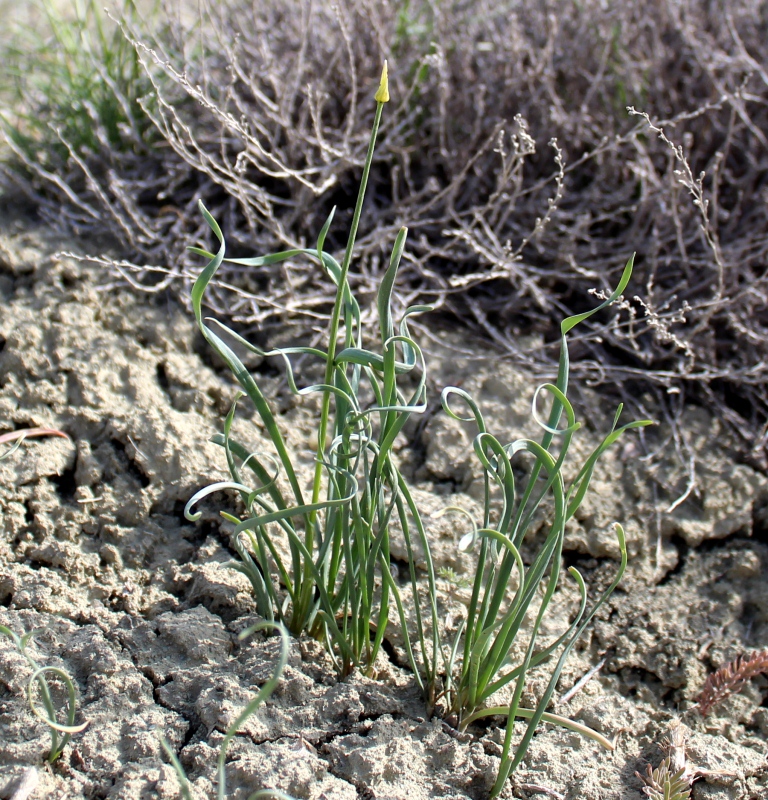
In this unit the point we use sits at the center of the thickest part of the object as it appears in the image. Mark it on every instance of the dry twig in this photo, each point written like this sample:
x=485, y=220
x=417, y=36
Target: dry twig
x=258, y=117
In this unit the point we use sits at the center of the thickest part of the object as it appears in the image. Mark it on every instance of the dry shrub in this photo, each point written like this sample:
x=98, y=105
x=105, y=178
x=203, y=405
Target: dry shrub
x=508, y=151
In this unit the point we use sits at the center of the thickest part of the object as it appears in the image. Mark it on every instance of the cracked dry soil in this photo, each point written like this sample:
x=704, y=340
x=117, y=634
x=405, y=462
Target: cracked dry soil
x=138, y=606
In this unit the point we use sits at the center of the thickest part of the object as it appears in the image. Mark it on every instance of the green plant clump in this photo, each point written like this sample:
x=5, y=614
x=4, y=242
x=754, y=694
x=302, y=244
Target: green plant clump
x=338, y=535
x=337, y=582
x=74, y=89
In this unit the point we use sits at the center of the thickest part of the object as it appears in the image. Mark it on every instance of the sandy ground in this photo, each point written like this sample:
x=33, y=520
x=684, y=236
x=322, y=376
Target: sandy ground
x=138, y=605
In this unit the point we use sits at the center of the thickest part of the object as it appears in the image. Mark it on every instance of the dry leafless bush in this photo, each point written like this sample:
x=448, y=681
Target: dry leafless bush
x=508, y=151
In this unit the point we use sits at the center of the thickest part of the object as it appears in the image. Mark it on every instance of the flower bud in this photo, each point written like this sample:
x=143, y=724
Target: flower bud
x=382, y=96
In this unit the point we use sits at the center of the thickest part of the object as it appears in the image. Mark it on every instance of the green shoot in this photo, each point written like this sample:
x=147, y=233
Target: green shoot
x=495, y=624
x=249, y=710
x=48, y=713
x=336, y=582
x=664, y=784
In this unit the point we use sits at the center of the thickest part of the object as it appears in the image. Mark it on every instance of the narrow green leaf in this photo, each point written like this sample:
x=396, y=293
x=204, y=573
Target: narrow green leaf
x=571, y=322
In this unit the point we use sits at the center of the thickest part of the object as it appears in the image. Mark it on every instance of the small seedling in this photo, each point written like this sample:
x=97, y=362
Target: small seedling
x=673, y=778
x=662, y=784
x=449, y=574
x=48, y=714
x=675, y=775
x=250, y=709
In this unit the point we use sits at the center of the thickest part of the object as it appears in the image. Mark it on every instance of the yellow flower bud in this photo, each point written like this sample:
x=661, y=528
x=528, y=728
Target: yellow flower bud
x=382, y=96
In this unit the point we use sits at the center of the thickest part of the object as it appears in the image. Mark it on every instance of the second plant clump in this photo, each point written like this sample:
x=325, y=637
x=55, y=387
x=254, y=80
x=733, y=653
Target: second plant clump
x=334, y=579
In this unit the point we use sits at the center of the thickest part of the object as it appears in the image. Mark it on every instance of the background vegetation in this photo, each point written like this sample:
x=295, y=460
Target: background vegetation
x=521, y=174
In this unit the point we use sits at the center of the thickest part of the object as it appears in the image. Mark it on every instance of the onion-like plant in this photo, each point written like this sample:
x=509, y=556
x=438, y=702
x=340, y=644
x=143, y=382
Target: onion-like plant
x=479, y=663
x=336, y=582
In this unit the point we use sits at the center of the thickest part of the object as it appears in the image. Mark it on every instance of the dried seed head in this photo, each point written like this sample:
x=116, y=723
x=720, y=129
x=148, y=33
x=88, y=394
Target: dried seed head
x=674, y=744
x=382, y=95
x=731, y=678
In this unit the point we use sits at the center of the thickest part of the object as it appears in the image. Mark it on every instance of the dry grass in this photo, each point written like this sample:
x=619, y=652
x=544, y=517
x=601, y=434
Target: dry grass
x=524, y=180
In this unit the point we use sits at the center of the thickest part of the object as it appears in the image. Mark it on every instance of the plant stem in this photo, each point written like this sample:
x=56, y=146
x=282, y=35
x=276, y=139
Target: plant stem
x=552, y=719
x=332, y=337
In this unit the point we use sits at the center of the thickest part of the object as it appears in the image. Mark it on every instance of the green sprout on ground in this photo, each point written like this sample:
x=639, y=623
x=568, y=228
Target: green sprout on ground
x=249, y=710
x=39, y=679
x=60, y=733
x=663, y=784
x=454, y=579
x=337, y=575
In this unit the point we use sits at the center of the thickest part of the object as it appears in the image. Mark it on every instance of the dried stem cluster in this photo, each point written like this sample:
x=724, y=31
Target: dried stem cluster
x=730, y=679
x=253, y=107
